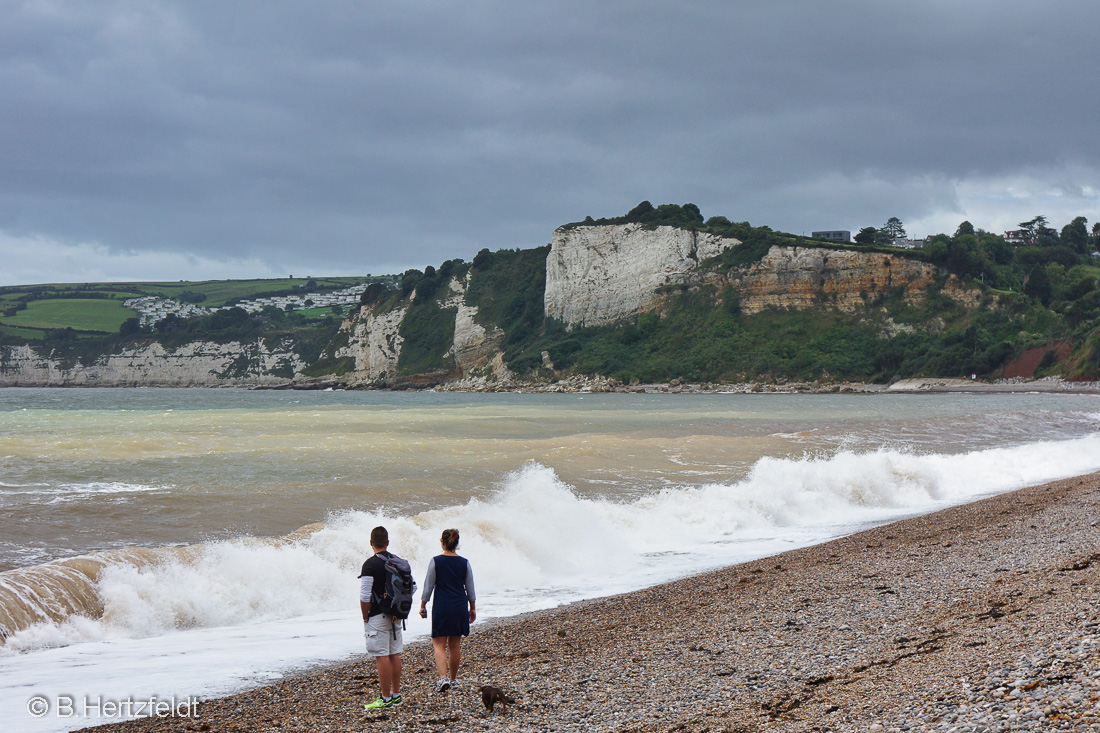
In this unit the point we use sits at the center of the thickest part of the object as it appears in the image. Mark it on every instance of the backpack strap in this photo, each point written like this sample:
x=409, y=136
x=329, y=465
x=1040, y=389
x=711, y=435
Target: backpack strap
x=393, y=626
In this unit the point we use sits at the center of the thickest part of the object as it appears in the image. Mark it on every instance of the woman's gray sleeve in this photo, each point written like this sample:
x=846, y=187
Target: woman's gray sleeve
x=429, y=582
x=470, y=595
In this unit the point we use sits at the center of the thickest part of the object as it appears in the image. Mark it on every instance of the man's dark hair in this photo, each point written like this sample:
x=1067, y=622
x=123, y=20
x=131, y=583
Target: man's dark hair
x=379, y=538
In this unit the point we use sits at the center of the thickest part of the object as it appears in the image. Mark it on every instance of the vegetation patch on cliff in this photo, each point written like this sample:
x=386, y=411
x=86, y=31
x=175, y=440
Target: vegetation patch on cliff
x=701, y=336
x=508, y=287
x=428, y=331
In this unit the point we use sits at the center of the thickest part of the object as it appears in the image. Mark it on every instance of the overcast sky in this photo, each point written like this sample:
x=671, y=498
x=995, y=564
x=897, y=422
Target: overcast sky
x=191, y=140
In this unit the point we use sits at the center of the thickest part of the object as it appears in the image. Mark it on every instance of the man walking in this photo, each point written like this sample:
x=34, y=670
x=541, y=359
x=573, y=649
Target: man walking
x=383, y=632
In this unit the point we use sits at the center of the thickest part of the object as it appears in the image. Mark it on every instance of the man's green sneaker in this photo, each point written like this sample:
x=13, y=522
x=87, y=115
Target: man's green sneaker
x=378, y=704
x=395, y=700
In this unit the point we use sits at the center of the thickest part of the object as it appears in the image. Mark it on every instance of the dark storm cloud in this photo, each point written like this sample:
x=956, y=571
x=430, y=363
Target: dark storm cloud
x=362, y=136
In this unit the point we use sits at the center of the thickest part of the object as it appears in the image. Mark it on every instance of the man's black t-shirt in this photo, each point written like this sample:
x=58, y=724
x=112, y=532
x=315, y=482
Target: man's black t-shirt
x=375, y=567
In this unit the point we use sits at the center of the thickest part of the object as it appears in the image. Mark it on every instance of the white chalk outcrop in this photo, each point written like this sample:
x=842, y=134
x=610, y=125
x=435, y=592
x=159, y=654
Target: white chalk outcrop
x=597, y=275
x=475, y=346
x=196, y=364
x=374, y=342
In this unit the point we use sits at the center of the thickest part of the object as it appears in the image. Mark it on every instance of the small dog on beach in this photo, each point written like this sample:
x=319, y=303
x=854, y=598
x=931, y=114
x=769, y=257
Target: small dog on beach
x=492, y=695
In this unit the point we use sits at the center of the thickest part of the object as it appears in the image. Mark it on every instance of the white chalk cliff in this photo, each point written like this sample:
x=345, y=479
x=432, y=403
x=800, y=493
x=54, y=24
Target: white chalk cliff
x=197, y=364
x=375, y=340
x=600, y=274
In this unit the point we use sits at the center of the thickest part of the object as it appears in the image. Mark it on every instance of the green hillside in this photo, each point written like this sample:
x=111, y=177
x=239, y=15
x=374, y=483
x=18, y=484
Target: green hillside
x=104, y=316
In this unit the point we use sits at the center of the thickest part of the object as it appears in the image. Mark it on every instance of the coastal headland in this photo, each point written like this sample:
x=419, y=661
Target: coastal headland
x=980, y=617
x=658, y=295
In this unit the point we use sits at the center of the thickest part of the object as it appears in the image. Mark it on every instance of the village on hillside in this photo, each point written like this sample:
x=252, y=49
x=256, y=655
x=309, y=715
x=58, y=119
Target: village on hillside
x=152, y=308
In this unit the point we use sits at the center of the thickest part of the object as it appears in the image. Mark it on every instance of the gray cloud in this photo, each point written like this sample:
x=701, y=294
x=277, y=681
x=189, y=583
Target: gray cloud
x=370, y=136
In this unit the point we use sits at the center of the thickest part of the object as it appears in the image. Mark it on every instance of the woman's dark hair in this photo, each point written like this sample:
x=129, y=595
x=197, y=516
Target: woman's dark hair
x=450, y=539
x=379, y=538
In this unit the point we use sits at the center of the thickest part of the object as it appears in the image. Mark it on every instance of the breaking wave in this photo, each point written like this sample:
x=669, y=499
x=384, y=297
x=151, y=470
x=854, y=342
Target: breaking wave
x=534, y=541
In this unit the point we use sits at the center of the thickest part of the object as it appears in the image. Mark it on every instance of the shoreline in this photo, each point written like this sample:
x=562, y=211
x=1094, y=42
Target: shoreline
x=980, y=615
x=583, y=384
x=604, y=385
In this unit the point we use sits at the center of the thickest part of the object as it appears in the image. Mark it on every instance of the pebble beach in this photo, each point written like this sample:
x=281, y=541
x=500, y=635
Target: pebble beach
x=982, y=617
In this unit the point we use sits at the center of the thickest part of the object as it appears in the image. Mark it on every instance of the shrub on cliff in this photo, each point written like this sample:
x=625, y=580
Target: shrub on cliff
x=374, y=293
x=508, y=288
x=687, y=216
x=428, y=332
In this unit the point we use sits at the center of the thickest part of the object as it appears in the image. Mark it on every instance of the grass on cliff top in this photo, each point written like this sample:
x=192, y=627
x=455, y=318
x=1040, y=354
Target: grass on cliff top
x=104, y=316
x=25, y=334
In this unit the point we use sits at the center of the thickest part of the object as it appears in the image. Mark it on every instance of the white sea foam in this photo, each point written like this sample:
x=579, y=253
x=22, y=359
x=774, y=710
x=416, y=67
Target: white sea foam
x=82, y=490
x=535, y=543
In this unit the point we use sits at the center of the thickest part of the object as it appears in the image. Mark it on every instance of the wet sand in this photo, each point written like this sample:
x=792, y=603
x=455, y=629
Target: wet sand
x=983, y=617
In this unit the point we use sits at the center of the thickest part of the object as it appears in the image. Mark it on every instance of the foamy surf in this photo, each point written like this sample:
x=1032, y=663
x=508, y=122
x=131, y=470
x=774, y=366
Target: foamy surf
x=211, y=618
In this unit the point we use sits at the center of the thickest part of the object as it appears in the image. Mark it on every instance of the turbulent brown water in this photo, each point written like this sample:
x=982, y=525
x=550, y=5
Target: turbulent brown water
x=84, y=470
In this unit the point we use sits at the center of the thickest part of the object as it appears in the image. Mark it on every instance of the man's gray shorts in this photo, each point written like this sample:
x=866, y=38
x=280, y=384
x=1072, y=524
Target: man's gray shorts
x=380, y=632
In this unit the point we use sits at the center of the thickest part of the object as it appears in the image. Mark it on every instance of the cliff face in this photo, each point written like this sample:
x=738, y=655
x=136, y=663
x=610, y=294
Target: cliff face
x=376, y=343
x=800, y=277
x=197, y=364
x=475, y=345
x=597, y=275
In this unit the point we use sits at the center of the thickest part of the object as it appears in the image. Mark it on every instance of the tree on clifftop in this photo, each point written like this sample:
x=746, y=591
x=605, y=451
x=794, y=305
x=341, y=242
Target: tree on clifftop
x=1038, y=233
x=891, y=231
x=867, y=236
x=965, y=228
x=1076, y=235
x=638, y=213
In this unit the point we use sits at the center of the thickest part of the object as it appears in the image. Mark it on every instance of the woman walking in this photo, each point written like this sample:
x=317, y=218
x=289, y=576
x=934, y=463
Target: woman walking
x=452, y=579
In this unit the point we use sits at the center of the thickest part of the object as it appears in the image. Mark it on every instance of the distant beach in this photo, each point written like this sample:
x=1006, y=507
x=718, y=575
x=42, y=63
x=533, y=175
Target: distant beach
x=984, y=616
x=914, y=385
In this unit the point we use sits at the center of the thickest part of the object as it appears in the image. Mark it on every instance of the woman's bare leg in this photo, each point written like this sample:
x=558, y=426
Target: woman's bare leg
x=439, y=647
x=454, y=646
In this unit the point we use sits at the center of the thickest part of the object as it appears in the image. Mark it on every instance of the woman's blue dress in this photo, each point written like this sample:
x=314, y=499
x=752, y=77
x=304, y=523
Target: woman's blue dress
x=450, y=608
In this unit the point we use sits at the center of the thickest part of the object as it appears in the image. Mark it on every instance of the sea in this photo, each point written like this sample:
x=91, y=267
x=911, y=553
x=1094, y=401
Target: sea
x=173, y=545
